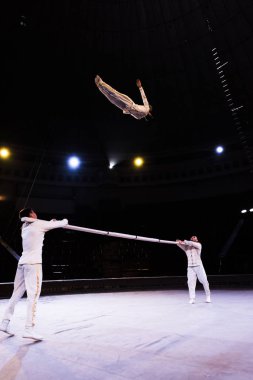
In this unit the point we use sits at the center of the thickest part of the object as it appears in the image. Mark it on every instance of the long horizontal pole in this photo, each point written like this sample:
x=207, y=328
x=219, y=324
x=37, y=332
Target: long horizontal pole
x=117, y=234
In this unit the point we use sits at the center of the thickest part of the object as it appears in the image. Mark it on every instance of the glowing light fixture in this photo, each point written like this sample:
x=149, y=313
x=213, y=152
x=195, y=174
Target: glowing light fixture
x=138, y=162
x=112, y=164
x=219, y=149
x=74, y=162
x=244, y=211
x=4, y=153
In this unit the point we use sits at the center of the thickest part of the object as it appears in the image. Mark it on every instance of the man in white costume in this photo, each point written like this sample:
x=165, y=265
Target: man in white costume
x=123, y=101
x=29, y=270
x=195, y=268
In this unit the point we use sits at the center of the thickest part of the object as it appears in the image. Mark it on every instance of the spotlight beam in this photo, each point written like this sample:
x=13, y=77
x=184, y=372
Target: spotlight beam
x=9, y=249
x=231, y=239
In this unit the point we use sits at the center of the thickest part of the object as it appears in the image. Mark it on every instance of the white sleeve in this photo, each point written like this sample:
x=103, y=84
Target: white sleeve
x=144, y=98
x=52, y=224
x=46, y=225
x=28, y=219
x=192, y=244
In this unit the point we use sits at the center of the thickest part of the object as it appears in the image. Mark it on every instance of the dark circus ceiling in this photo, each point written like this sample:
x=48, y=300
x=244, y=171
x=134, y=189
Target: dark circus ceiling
x=194, y=58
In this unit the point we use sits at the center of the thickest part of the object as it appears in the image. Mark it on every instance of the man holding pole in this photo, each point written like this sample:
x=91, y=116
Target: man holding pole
x=195, y=268
x=29, y=270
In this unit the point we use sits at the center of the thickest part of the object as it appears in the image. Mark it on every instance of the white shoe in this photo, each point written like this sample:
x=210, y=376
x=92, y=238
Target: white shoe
x=5, y=327
x=192, y=300
x=31, y=334
x=208, y=299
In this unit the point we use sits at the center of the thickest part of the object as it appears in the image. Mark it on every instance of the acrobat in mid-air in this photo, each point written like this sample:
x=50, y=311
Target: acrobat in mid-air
x=124, y=102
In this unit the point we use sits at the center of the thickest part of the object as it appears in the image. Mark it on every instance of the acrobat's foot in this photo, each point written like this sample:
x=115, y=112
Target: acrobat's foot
x=4, y=327
x=31, y=334
x=98, y=80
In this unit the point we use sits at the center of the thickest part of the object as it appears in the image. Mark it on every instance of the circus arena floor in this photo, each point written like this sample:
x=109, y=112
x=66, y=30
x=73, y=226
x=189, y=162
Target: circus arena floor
x=133, y=335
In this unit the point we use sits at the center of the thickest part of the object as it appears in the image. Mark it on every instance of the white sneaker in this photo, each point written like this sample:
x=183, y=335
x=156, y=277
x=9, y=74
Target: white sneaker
x=208, y=299
x=192, y=300
x=31, y=334
x=5, y=327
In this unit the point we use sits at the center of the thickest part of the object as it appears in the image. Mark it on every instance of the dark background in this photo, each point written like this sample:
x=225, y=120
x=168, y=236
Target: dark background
x=50, y=108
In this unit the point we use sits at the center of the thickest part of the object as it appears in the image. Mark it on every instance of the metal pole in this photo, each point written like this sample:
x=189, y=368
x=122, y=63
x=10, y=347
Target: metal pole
x=117, y=234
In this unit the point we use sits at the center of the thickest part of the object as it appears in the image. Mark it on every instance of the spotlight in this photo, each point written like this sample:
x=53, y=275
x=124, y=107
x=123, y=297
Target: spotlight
x=112, y=164
x=4, y=153
x=219, y=149
x=138, y=161
x=74, y=162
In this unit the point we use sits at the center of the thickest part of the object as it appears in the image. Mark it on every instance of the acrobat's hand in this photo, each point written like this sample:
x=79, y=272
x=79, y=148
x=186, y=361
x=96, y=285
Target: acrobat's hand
x=138, y=83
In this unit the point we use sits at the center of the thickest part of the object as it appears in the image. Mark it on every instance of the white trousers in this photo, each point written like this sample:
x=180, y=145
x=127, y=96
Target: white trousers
x=28, y=278
x=194, y=273
x=121, y=101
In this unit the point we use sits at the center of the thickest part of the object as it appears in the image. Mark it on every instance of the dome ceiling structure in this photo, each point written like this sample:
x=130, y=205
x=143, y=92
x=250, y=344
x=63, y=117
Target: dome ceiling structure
x=195, y=61
x=194, y=58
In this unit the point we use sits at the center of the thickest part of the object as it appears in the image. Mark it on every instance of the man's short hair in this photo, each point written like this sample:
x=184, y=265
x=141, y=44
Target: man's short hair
x=25, y=212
